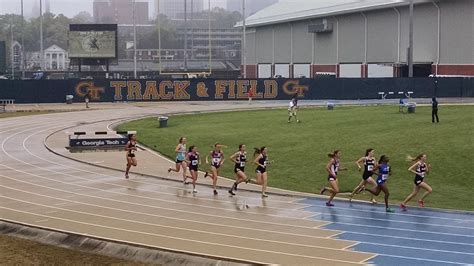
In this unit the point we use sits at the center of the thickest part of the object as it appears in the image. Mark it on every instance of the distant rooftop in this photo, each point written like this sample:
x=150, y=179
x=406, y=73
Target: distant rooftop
x=306, y=9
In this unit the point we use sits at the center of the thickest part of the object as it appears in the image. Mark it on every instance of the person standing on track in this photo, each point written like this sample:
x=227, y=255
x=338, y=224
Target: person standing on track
x=88, y=98
x=293, y=108
x=261, y=160
x=180, y=158
x=434, y=110
x=239, y=158
x=384, y=172
x=369, y=164
x=420, y=168
x=217, y=159
x=131, y=148
x=193, y=160
x=332, y=168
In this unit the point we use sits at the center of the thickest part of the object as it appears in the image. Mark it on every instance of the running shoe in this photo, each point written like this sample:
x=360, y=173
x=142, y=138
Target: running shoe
x=421, y=203
x=373, y=201
x=247, y=181
x=350, y=197
x=403, y=207
x=360, y=189
x=389, y=210
x=169, y=170
x=329, y=204
x=264, y=195
x=206, y=175
x=215, y=192
x=231, y=192
x=126, y=176
x=322, y=190
x=195, y=191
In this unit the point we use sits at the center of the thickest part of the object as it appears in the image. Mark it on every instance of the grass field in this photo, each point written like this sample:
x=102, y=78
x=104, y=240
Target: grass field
x=300, y=150
x=18, y=114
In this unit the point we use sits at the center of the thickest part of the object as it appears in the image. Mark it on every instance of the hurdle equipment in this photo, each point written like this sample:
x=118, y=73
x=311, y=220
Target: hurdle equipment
x=98, y=140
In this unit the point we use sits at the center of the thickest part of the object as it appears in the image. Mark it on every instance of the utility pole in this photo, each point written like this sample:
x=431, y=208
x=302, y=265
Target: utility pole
x=185, y=36
x=244, y=38
x=41, y=37
x=11, y=47
x=410, y=45
x=134, y=40
x=22, y=64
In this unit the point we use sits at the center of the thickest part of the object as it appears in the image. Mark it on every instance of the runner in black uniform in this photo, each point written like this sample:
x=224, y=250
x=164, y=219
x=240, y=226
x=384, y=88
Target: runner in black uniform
x=332, y=168
x=261, y=160
x=369, y=166
x=420, y=168
x=217, y=159
x=239, y=158
x=192, y=159
x=131, y=148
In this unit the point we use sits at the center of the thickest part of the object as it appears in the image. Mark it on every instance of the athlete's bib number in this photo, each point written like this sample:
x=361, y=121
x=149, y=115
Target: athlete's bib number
x=194, y=162
x=422, y=174
x=265, y=164
x=370, y=167
x=242, y=164
x=384, y=176
x=216, y=160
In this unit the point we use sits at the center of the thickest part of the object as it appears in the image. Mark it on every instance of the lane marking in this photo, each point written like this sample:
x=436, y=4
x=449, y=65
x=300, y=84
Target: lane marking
x=160, y=216
x=181, y=239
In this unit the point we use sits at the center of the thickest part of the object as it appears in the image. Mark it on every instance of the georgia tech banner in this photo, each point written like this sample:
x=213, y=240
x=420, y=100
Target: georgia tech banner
x=104, y=90
x=184, y=90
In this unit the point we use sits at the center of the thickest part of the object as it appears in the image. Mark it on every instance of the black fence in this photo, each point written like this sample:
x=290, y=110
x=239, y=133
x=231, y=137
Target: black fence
x=102, y=90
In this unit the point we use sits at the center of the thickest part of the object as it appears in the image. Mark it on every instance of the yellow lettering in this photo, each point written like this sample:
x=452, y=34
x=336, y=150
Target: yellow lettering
x=231, y=89
x=293, y=86
x=253, y=88
x=118, y=85
x=134, y=90
x=180, y=92
x=151, y=93
x=220, y=88
x=163, y=86
x=271, y=89
x=242, y=88
x=202, y=90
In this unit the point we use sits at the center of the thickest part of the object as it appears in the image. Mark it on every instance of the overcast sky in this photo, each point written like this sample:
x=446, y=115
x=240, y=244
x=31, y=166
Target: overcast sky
x=66, y=7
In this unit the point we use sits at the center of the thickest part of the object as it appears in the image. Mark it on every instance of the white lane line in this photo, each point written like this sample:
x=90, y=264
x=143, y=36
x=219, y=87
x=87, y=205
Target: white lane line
x=182, y=239
x=395, y=221
x=383, y=212
x=411, y=247
x=133, y=181
x=160, y=216
x=168, y=209
x=178, y=228
x=419, y=259
x=409, y=238
x=42, y=221
x=403, y=229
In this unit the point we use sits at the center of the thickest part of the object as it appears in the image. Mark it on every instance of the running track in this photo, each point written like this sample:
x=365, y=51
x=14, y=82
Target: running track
x=42, y=189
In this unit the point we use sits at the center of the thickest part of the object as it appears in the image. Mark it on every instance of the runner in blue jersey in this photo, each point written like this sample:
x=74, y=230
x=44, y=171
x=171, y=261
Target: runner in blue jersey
x=384, y=172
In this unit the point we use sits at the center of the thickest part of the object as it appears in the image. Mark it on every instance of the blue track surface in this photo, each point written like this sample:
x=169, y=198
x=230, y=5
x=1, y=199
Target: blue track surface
x=416, y=237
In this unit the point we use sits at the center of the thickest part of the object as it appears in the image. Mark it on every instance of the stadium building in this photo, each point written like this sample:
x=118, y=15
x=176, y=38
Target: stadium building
x=360, y=38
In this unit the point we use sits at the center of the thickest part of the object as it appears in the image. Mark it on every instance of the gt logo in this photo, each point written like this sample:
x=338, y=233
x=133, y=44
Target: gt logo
x=83, y=87
x=293, y=86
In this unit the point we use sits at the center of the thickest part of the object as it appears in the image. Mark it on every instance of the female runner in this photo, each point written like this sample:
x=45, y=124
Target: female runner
x=193, y=160
x=131, y=148
x=180, y=158
x=369, y=164
x=332, y=168
x=384, y=172
x=420, y=168
x=239, y=158
x=217, y=159
x=261, y=160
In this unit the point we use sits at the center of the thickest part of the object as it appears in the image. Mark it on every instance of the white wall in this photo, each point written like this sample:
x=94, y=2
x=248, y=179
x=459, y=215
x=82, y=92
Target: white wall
x=264, y=70
x=301, y=69
x=283, y=70
x=349, y=70
x=380, y=71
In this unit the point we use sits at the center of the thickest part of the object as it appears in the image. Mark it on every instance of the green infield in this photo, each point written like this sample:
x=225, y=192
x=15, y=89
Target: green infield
x=300, y=150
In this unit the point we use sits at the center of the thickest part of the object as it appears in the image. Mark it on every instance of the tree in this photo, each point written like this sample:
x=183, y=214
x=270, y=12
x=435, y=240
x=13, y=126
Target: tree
x=83, y=17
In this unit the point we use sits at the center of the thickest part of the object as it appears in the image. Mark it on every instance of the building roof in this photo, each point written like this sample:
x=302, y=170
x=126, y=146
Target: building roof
x=286, y=11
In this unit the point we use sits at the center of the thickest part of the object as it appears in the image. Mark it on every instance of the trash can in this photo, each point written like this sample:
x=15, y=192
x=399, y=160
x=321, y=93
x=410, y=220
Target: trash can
x=69, y=99
x=163, y=121
x=330, y=106
x=411, y=107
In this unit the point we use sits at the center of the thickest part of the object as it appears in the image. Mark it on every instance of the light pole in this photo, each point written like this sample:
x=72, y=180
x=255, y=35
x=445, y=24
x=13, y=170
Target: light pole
x=185, y=36
x=41, y=36
x=22, y=58
x=410, y=45
x=134, y=40
x=11, y=47
x=244, y=38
